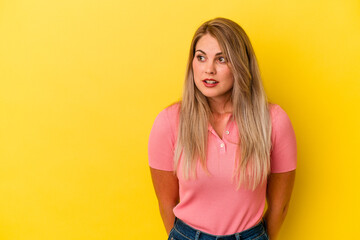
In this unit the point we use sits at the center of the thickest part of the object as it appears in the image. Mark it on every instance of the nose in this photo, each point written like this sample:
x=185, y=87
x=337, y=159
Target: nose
x=210, y=68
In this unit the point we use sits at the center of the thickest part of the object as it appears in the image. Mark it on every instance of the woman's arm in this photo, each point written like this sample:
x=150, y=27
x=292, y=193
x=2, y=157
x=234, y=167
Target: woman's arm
x=166, y=187
x=278, y=194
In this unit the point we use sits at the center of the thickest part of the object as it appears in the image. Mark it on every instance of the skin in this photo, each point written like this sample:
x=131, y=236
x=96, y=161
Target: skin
x=166, y=187
x=278, y=194
x=209, y=62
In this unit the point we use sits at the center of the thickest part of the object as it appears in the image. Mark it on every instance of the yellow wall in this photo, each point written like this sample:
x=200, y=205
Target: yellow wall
x=82, y=81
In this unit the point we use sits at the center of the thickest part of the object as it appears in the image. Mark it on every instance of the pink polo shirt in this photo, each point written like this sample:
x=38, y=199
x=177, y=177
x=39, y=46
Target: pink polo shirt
x=211, y=203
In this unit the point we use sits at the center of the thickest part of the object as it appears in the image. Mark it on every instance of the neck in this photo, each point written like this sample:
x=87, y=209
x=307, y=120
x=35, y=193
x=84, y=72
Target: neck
x=220, y=106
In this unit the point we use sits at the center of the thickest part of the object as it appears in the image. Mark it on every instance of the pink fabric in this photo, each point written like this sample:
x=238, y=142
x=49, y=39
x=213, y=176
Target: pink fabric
x=211, y=203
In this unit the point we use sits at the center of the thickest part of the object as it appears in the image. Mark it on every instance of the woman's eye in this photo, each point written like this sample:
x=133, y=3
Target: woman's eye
x=200, y=58
x=222, y=59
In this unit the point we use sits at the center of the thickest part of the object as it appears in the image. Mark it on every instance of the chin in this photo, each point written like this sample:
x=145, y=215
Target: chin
x=210, y=95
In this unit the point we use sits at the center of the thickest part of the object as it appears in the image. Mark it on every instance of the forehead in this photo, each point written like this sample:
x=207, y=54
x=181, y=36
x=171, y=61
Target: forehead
x=208, y=44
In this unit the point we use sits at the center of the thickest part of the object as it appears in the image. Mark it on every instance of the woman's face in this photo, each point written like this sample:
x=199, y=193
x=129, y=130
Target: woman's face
x=212, y=74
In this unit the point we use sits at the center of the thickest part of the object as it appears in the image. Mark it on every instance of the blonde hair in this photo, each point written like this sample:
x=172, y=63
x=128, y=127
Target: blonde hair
x=250, y=108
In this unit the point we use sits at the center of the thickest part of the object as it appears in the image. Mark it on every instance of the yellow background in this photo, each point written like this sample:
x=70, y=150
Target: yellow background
x=82, y=82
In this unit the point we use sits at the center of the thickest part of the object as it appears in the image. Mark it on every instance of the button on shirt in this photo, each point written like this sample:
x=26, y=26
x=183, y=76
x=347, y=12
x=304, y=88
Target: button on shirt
x=222, y=142
x=211, y=203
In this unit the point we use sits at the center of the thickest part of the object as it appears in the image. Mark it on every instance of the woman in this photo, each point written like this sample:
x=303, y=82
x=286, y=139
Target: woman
x=218, y=154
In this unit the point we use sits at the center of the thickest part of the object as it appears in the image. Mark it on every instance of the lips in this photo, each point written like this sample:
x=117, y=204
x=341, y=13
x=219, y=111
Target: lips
x=210, y=81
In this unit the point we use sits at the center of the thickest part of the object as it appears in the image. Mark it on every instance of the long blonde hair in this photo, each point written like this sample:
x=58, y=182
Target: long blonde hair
x=250, y=108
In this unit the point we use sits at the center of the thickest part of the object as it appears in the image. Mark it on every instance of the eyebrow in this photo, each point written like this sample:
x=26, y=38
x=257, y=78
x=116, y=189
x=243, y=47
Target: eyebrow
x=219, y=53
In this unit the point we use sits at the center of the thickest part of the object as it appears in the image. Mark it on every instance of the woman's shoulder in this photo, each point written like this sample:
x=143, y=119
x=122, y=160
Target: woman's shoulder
x=283, y=138
x=172, y=111
x=276, y=111
x=173, y=107
x=281, y=122
x=169, y=115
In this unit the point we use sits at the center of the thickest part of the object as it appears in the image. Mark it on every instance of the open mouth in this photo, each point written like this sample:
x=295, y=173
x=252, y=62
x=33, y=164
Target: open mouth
x=210, y=81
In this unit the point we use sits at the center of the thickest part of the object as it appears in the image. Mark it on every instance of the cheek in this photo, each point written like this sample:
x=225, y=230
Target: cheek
x=231, y=76
x=196, y=69
x=227, y=73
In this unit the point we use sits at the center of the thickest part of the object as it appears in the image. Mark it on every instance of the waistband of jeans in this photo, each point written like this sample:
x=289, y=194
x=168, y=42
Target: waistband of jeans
x=193, y=233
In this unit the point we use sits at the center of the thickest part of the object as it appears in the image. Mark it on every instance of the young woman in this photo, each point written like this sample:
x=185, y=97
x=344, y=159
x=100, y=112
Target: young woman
x=218, y=154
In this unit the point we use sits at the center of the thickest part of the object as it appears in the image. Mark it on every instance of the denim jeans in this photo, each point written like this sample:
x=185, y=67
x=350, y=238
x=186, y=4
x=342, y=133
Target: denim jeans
x=182, y=231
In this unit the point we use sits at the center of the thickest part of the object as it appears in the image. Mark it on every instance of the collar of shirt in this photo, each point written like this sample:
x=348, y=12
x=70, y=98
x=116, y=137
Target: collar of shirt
x=211, y=129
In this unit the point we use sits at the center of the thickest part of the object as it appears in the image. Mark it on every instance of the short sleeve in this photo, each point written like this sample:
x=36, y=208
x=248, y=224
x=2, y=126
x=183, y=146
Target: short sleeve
x=284, y=149
x=161, y=143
